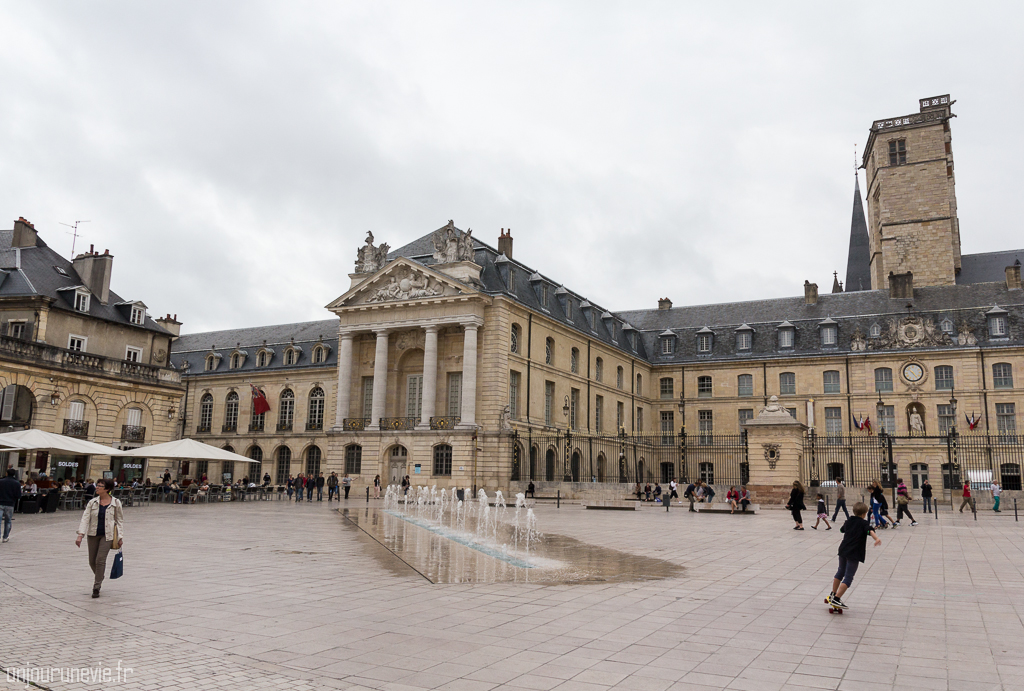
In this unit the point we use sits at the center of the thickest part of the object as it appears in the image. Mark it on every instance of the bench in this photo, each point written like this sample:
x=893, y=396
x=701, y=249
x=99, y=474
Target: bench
x=723, y=507
x=611, y=505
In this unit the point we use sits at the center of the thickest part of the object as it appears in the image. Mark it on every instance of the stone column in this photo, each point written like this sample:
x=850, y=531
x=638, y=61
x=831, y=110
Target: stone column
x=380, y=378
x=429, y=376
x=469, y=378
x=344, y=378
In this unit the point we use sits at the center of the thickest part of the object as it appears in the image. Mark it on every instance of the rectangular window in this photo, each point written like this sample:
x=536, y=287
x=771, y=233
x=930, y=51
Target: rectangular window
x=1002, y=375
x=138, y=315
x=1006, y=418
x=414, y=396
x=16, y=330
x=368, y=397
x=746, y=414
x=997, y=327
x=77, y=343
x=786, y=338
x=133, y=354
x=704, y=343
x=639, y=419
x=513, y=395
x=829, y=335
x=745, y=385
x=598, y=413
x=454, y=394
x=574, y=406
x=943, y=377
x=945, y=418
x=549, y=401
x=76, y=410
x=898, y=152
x=620, y=413
x=831, y=381
x=442, y=459
x=883, y=379
x=888, y=421
x=82, y=302
x=667, y=388
x=787, y=383
x=568, y=309
x=833, y=422
x=511, y=279
x=744, y=339
x=706, y=426
x=668, y=426
x=544, y=295
x=704, y=389
x=792, y=412
x=666, y=346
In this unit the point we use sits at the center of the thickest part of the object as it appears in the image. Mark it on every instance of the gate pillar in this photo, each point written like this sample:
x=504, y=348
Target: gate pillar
x=774, y=452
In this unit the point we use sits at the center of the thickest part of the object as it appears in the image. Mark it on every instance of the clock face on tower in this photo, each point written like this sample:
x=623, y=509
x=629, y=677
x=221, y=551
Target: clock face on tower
x=913, y=372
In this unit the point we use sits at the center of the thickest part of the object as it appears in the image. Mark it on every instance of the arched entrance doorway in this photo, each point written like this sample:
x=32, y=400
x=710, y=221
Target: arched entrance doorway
x=398, y=459
x=549, y=466
x=575, y=466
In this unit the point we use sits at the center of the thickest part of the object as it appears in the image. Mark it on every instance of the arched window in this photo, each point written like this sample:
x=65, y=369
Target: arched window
x=883, y=379
x=236, y=360
x=704, y=388
x=313, y=456
x=787, y=383
x=256, y=469
x=354, y=459
x=745, y=385
x=133, y=429
x=284, y=462
x=315, y=419
x=639, y=385
x=619, y=376
x=318, y=355
x=442, y=459
x=286, y=412
x=599, y=369
x=514, y=339
x=549, y=351
x=289, y=357
x=261, y=358
x=574, y=361
x=205, y=413
x=231, y=412
x=211, y=363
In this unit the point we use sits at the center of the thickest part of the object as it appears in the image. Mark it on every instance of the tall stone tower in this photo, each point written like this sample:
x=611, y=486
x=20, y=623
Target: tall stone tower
x=912, y=223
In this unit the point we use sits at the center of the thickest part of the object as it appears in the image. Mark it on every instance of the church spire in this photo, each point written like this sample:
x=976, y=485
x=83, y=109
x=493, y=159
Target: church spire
x=858, y=264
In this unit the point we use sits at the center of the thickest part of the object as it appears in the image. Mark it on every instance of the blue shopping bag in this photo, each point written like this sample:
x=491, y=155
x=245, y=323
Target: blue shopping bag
x=117, y=570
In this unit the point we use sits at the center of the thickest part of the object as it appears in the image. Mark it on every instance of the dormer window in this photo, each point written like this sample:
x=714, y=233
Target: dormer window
x=81, y=301
x=668, y=342
x=568, y=309
x=997, y=323
x=544, y=295
x=211, y=363
x=261, y=358
x=875, y=331
x=318, y=355
x=744, y=338
x=511, y=279
x=289, y=357
x=138, y=315
x=946, y=325
x=787, y=335
x=829, y=333
x=236, y=361
x=705, y=339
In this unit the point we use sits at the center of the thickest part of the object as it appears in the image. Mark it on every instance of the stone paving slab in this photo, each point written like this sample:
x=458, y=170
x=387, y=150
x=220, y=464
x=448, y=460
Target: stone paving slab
x=273, y=595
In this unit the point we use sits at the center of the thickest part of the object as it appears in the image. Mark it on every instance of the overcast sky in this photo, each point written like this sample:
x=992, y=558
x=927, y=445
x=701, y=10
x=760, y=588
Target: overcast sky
x=232, y=156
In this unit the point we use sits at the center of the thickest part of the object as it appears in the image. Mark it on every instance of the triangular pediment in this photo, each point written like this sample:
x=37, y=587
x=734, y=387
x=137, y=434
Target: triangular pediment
x=401, y=281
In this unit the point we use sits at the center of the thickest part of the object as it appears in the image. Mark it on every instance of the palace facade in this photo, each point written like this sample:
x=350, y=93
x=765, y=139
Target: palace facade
x=451, y=361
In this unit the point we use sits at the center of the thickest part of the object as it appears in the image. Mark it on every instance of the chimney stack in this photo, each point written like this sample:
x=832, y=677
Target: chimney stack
x=901, y=286
x=810, y=293
x=94, y=269
x=505, y=243
x=171, y=324
x=664, y=304
x=1013, y=276
x=24, y=233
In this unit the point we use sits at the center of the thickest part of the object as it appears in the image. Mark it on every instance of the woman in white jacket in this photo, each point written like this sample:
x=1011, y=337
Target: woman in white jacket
x=103, y=516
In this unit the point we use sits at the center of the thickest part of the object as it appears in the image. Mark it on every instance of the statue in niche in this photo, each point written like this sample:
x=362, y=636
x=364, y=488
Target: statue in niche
x=965, y=335
x=915, y=419
x=369, y=258
x=451, y=247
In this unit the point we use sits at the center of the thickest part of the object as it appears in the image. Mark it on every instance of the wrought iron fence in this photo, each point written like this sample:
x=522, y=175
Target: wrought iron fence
x=76, y=428
x=444, y=422
x=398, y=423
x=133, y=433
x=355, y=424
x=625, y=458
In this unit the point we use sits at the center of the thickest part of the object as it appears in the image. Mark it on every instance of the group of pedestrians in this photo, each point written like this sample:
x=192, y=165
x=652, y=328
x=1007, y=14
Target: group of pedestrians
x=302, y=486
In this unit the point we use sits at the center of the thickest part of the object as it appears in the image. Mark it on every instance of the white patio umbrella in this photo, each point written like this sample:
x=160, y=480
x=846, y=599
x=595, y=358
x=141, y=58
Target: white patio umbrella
x=186, y=450
x=38, y=440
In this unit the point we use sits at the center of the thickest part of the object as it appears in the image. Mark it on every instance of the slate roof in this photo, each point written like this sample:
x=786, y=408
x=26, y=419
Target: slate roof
x=858, y=264
x=193, y=348
x=987, y=266
x=37, y=274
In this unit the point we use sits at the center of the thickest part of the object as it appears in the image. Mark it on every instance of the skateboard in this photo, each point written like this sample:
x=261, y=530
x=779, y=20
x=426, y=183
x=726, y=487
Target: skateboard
x=832, y=609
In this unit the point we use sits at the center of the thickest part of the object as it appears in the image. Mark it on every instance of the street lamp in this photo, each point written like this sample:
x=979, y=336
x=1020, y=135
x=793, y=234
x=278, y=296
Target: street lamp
x=565, y=407
x=952, y=405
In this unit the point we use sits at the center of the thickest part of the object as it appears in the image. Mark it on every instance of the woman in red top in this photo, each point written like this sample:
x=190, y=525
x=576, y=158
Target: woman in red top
x=967, y=498
x=733, y=497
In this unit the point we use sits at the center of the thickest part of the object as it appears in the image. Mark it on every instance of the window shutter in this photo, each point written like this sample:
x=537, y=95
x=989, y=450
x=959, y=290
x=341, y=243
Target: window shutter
x=3, y=328
x=8, y=395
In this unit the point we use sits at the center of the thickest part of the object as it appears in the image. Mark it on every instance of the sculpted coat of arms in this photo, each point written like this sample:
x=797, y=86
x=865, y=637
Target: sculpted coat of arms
x=910, y=332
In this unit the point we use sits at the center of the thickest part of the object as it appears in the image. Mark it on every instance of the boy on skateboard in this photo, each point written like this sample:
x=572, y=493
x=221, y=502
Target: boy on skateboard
x=851, y=552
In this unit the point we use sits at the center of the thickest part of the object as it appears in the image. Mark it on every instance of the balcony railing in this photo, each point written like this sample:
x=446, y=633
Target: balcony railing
x=398, y=423
x=256, y=426
x=76, y=428
x=444, y=422
x=355, y=424
x=202, y=429
x=314, y=425
x=75, y=360
x=284, y=427
x=133, y=433
x=227, y=429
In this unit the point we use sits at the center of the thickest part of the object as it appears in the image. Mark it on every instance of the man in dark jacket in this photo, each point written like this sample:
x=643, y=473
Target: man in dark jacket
x=10, y=493
x=332, y=487
x=320, y=487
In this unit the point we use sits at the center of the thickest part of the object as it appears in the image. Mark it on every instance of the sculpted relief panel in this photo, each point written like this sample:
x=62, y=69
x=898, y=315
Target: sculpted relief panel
x=406, y=284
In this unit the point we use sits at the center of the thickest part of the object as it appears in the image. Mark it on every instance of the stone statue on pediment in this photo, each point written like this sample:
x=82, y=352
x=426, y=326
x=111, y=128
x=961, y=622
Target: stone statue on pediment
x=369, y=258
x=450, y=246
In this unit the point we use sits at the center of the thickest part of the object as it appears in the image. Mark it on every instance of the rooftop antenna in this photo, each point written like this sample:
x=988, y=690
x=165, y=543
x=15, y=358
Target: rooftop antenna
x=73, y=234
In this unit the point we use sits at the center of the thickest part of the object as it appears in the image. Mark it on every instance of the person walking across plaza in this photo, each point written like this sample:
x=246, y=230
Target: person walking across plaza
x=673, y=490
x=903, y=500
x=320, y=486
x=300, y=487
x=102, y=526
x=10, y=493
x=851, y=552
x=840, y=501
x=376, y=486
x=996, y=491
x=310, y=486
x=332, y=487
x=822, y=513
x=346, y=484
x=796, y=504
x=926, y=495
x=968, y=499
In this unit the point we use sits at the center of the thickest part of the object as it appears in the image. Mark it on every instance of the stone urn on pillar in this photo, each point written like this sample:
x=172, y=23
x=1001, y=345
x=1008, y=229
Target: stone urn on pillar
x=775, y=446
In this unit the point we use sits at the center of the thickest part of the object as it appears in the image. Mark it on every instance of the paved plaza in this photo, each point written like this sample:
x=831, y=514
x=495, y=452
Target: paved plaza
x=273, y=595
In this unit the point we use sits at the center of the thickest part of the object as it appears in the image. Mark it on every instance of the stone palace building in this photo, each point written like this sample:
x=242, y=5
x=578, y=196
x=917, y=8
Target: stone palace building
x=451, y=361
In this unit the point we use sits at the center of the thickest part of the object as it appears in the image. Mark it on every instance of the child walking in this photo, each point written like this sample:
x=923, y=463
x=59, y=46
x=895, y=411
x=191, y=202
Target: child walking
x=851, y=552
x=822, y=513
